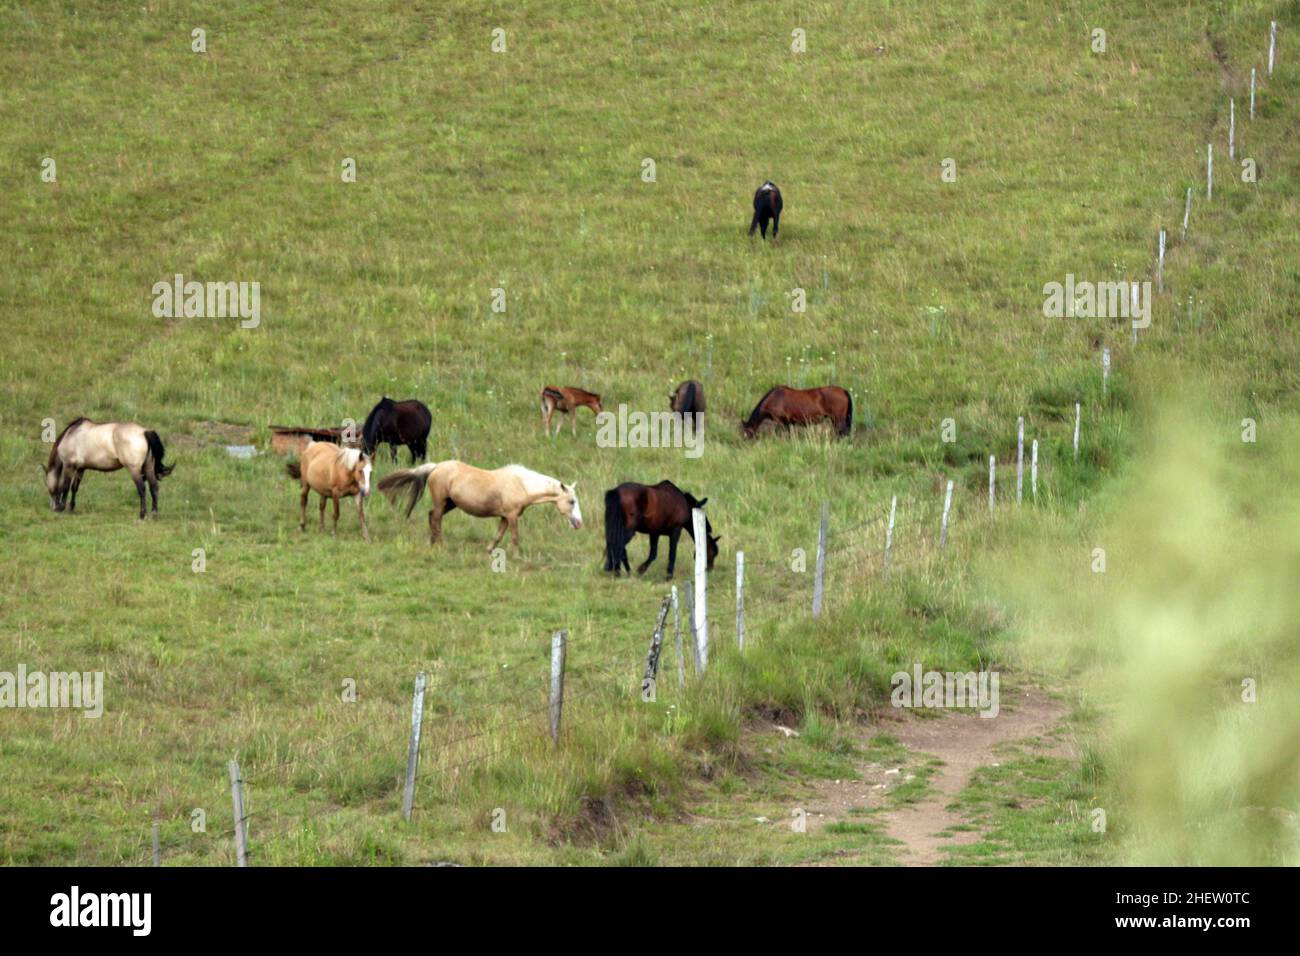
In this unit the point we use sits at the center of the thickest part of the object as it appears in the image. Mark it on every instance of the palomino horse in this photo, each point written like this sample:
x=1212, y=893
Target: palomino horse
x=103, y=446
x=398, y=423
x=503, y=493
x=567, y=400
x=767, y=208
x=333, y=473
x=654, y=510
x=688, y=399
x=802, y=406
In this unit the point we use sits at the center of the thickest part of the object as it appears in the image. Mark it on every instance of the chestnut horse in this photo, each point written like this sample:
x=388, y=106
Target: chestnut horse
x=103, y=446
x=333, y=473
x=567, y=400
x=654, y=510
x=688, y=399
x=802, y=406
x=398, y=423
x=503, y=493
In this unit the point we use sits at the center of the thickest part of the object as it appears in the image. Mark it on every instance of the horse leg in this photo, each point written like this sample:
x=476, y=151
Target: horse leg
x=501, y=532
x=322, y=510
x=335, y=497
x=435, y=521
x=673, y=537
x=776, y=224
x=573, y=416
x=72, y=490
x=302, y=511
x=514, y=533
x=654, y=552
x=361, y=513
x=139, y=487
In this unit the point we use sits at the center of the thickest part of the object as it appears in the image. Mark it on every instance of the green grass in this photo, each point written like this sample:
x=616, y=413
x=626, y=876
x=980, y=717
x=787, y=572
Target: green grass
x=521, y=171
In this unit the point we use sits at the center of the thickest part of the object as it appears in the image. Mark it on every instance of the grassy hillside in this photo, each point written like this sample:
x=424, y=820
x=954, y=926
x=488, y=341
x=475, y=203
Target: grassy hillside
x=522, y=171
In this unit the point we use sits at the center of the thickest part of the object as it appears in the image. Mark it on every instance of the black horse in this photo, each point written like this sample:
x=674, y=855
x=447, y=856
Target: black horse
x=688, y=399
x=654, y=510
x=398, y=423
x=767, y=208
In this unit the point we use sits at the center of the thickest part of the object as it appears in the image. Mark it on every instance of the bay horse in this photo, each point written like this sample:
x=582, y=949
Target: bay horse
x=767, y=208
x=802, y=406
x=654, y=510
x=688, y=399
x=557, y=398
x=503, y=493
x=103, y=446
x=333, y=472
x=398, y=423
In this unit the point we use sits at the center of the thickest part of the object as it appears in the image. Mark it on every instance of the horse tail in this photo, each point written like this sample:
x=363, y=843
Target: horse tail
x=615, y=531
x=848, y=418
x=156, y=449
x=294, y=469
x=412, y=481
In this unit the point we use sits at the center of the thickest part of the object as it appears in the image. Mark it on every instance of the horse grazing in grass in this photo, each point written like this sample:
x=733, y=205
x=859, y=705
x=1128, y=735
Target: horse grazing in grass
x=802, y=406
x=503, y=493
x=567, y=400
x=333, y=473
x=654, y=510
x=103, y=446
x=398, y=423
x=688, y=399
x=767, y=208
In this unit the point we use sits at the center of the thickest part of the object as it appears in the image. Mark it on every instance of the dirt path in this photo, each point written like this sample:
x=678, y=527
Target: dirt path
x=964, y=742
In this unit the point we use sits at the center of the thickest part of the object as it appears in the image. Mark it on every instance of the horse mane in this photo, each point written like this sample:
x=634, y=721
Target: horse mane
x=753, y=416
x=348, y=457
x=54, y=449
x=527, y=474
x=368, y=428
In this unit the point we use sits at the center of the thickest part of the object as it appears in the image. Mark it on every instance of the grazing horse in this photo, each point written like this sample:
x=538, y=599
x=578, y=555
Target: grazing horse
x=767, y=208
x=398, y=423
x=503, y=493
x=566, y=400
x=103, y=446
x=654, y=510
x=802, y=406
x=688, y=399
x=333, y=473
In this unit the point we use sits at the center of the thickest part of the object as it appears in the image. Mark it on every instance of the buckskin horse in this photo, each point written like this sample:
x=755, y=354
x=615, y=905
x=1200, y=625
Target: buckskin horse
x=556, y=398
x=802, y=406
x=103, y=446
x=767, y=208
x=688, y=399
x=654, y=510
x=333, y=473
x=398, y=423
x=503, y=493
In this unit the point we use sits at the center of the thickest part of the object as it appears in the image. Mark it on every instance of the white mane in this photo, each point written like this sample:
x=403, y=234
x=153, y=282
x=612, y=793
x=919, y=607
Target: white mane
x=348, y=457
x=534, y=481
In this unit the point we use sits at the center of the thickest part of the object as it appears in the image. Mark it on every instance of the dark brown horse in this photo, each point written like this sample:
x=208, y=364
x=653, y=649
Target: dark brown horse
x=767, y=208
x=398, y=423
x=802, y=406
x=688, y=399
x=654, y=510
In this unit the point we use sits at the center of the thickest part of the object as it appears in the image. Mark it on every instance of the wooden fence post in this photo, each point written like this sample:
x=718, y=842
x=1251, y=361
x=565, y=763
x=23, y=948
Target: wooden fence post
x=241, y=822
x=651, y=675
x=993, y=469
x=1105, y=369
x=677, y=630
x=1272, y=42
x=413, y=745
x=559, y=651
x=1160, y=264
x=947, y=506
x=889, y=531
x=1020, y=459
x=1232, y=128
x=690, y=624
x=819, y=579
x=1252, y=92
x=740, y=600
x=1033, y=471
x=701, y=586
x=1209, y=171
x=1078, y=413
x=1187, y=212
x=157, y=850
